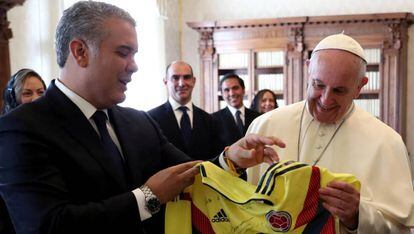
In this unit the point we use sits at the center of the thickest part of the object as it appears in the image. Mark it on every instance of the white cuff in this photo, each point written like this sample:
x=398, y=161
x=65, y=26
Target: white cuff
x=143, y=213
x=355, y=231
x=222, y=163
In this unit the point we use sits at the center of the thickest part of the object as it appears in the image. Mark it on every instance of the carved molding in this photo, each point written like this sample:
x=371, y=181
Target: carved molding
x=8, y=4
x=252, y=33
x=296, y=39
x=395, y=37
x=386, y=18
x=5, y=31
x=5, y=35
x=206, y=44
x=5, y=5
x=247, y=24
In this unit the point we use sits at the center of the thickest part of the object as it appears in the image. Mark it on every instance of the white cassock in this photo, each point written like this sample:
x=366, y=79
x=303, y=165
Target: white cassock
x=359, y=144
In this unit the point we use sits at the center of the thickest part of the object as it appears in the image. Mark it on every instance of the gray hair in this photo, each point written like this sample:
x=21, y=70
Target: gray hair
x=84, y=20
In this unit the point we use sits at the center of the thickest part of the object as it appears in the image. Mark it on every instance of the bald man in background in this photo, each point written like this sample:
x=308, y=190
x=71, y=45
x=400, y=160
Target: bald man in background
x=201, y=140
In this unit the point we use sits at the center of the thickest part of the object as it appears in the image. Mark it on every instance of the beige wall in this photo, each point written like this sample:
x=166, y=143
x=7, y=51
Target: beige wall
x=33, y=26
x=173, y=31
x=200, y=10
x=410, y=99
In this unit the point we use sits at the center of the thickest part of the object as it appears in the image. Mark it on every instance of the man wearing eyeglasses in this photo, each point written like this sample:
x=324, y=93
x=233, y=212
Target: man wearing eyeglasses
x=186, y=126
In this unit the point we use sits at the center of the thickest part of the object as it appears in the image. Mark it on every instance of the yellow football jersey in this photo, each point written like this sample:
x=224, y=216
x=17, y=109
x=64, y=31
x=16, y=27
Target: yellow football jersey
x=286, y=199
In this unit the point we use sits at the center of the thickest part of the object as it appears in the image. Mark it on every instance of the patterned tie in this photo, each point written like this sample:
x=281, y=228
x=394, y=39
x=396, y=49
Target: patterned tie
x=239, y=121
x=111, y=150
x=185, y=126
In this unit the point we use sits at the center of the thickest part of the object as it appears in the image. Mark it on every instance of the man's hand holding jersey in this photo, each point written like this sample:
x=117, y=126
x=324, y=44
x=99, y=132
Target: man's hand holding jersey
x=247, y=152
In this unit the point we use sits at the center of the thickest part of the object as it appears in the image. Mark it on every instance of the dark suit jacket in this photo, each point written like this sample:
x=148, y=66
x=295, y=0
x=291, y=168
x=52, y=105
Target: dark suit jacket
x=227, y=128
x=203, y=144
x=6, y=226
x=54, y=179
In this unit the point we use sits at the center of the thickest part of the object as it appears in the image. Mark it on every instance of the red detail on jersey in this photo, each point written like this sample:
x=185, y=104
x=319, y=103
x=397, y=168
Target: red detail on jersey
x=329, y=226
x=310, y=206
x=200, y=221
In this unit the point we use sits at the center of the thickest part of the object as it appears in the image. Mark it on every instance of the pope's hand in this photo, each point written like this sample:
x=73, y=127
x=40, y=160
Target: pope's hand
x=254, y=149
x=342, y=200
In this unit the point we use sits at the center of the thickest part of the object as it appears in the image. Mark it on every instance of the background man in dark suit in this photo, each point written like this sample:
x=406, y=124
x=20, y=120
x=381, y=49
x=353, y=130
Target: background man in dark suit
x=232, y=122
x=201, y=140
x=75, y=162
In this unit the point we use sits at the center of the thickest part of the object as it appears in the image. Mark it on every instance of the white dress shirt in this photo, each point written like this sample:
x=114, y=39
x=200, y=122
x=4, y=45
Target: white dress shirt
x=88, y=110
x=234, y=111
x=178, y=113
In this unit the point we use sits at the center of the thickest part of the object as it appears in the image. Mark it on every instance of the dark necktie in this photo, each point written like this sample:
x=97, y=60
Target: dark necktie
x=108, y=144
x=185, y=126
x=239, y=121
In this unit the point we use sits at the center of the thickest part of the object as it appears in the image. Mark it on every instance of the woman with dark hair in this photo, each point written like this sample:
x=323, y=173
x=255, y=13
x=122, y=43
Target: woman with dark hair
x=23, y=87
x=264, y=101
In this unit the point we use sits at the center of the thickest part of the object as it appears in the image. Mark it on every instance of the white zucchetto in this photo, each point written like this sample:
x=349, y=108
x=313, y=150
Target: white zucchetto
x=340, y=42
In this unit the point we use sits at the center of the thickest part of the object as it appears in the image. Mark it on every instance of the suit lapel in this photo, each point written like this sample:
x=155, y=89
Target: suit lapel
x=250, y=116
x=171, y=120
x=80, y=129
x=172, y=123
x=123, y=128
x=197, y=123
x=229, y=119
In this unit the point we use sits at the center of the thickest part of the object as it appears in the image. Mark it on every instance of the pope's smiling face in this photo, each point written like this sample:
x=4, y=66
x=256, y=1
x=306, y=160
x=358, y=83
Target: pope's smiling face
x=335, y=79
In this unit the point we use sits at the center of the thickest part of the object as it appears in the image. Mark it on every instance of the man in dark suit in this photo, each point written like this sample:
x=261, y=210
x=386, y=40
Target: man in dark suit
x=232, y=122
x=75, y=162
x=201, y=140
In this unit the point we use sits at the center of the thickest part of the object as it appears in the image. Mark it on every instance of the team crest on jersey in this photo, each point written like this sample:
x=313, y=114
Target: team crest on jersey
x=280, y=221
